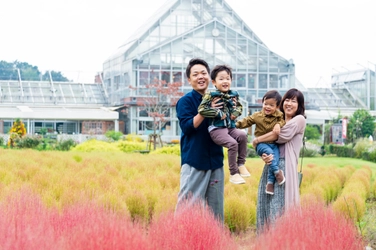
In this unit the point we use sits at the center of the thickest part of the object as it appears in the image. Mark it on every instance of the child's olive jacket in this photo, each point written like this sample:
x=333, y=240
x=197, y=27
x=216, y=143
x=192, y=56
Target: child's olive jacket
x=228, y=108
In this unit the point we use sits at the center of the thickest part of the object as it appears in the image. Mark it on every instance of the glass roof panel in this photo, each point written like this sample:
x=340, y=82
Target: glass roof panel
x=176, y=17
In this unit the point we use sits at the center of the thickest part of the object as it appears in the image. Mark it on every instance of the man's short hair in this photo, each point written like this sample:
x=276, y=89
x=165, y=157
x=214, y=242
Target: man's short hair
x=193, y=62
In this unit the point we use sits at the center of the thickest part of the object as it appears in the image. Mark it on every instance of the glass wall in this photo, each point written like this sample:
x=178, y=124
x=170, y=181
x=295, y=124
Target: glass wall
x=185, y=29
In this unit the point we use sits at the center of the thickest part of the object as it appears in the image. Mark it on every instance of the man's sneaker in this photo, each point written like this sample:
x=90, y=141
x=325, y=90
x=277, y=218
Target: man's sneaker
x=237, y=179
x=280, y=177
x=243, y=171
x=270, y=188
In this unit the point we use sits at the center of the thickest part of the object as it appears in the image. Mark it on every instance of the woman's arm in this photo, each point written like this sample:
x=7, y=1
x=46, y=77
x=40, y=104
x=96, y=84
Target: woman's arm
x=271, y=136
x=293, y=127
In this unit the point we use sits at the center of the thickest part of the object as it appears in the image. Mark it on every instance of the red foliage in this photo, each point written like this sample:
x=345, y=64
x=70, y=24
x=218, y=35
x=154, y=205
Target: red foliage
x=313, y=227
x=88, y=226
x=25, y=223
x=191, y=228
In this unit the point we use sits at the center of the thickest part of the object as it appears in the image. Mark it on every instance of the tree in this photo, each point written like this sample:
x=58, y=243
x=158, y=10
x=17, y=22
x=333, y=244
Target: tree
x=159, y=98
x=312, y=132
x=361, y=124
x=56, y=77
x=9, y=71
x=17, y=131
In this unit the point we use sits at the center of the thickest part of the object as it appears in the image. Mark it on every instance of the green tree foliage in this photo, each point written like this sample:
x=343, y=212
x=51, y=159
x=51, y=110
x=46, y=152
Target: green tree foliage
x=312, y=132
x=8, y=71
x=361, y=124
x=56, y=77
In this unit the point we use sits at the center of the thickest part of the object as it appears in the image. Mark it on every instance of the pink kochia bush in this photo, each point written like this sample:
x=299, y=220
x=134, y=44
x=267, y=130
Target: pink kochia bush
x=312, y=227
x=191, y=228
x=25, y=223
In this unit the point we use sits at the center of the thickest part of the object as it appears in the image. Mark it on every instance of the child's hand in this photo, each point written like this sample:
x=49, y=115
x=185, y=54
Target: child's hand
x=254, y=143
x=277, y=129
x=232, y=117
x=223, y=117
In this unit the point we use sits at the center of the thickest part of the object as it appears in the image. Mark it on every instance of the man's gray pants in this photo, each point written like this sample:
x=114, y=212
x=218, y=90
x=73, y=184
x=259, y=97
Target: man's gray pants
x=202, y=186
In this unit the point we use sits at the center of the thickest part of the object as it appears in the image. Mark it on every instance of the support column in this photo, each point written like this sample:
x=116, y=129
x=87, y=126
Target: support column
x=116, y=127
x=28, y=126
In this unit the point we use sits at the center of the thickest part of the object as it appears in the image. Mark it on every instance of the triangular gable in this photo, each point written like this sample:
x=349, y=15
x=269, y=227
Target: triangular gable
x=177, y=17
x=222, y=49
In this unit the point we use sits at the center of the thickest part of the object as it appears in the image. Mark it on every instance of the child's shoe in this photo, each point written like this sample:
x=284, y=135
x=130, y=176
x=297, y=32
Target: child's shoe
x=243, y=171
x=237, y=179
x=280, y=177
x=270, y=188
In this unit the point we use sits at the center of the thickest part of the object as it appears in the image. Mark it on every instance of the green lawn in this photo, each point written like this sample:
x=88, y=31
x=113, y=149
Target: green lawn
x=339, y=162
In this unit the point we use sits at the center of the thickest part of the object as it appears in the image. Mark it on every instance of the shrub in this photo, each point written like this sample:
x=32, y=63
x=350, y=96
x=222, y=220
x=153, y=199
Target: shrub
x=311, y=149
x=373, y=190
x=25, y=223
x=239, y=214
x=17, y=130
x=133, y=137
x=1, y=141
x=130, y=146
x=174, y=150
x=97, y=146
x=113, y=135
x=192, y=227
x=314, y=227
x=342, y=151
x=28, y=141
x=352, y=201
x=65, y=145
x=361, y=146
x=351, y=206
x=137, y=205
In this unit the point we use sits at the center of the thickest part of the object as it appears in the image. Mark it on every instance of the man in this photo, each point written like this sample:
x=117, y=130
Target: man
x=202, y=175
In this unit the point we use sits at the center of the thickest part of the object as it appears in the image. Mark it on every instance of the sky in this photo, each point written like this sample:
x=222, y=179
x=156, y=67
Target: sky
x=322, y=37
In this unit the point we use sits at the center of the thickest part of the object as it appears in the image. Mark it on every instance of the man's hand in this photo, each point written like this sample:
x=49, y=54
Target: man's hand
x=215, y=104
x=235, y=102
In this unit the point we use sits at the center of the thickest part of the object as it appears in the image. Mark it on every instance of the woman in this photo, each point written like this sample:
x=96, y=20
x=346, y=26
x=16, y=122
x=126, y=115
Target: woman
x=290, y=138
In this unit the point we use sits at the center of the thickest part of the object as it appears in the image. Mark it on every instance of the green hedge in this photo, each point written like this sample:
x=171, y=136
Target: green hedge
x=342, y=151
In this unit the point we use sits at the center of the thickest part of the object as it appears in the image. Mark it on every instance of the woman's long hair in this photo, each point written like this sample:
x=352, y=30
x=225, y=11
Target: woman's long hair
x=290, y=94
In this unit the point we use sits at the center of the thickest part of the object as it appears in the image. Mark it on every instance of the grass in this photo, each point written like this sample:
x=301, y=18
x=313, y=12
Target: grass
x=339, y=162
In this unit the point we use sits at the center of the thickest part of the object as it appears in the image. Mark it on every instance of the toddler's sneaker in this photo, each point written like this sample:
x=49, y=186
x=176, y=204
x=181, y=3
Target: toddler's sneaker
x=243, y=171
x=237, y=179
x=270, y=188
x=280, y=177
